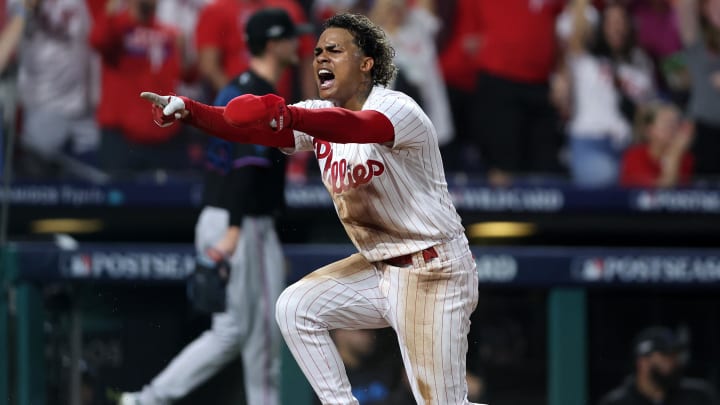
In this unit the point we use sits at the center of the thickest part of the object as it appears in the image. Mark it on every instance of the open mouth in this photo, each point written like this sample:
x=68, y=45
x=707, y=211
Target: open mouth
x=327, y=78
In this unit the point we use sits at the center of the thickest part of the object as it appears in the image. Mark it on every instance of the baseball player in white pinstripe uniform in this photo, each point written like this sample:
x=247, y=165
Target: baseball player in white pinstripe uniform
x=380, y=161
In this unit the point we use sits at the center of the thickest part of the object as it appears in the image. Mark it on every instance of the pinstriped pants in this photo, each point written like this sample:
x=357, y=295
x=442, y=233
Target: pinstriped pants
x=427, y=304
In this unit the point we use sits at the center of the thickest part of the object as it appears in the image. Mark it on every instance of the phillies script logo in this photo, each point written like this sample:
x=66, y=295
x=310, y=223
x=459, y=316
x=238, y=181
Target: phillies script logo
x=341, y=176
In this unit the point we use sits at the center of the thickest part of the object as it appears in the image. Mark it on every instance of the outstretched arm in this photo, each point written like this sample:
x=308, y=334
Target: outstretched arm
x=334, y=124
x=167, y=109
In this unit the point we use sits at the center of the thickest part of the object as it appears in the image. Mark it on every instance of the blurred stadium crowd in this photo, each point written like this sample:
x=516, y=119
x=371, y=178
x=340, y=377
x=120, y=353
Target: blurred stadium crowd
x=600, y=92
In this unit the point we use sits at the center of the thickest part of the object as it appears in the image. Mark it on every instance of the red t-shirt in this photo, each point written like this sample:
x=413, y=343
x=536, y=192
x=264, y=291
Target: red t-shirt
x=221, y=25
x=135, y=58
x=457, y=71
x=640, y=169
x=517, y=37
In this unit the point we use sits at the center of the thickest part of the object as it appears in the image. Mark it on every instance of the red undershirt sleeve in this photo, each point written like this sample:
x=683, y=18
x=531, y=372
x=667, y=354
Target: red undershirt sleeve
x=340, y=125
x=211, y=120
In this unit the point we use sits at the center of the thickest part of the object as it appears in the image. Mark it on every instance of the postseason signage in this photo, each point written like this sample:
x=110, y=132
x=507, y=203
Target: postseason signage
x=496, y=266
x=640, y=269
x=105, y=262
x=127, y=265
x=548, y=267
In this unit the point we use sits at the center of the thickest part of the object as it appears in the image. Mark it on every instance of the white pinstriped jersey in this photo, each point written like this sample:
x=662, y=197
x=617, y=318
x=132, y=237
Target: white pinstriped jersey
x=394, y=200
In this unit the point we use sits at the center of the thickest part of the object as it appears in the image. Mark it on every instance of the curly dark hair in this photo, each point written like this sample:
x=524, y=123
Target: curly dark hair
x=372, y=41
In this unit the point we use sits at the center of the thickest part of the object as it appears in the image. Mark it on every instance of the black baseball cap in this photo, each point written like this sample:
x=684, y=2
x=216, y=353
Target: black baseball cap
x=268, y=24
x=657, y=339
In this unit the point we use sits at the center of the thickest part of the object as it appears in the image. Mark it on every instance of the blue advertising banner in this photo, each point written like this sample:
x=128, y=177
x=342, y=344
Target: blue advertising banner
x=467, y=197
x=496, y=266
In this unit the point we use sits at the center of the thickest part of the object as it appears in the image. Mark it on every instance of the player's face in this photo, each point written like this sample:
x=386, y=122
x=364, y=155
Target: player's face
x=341, y=69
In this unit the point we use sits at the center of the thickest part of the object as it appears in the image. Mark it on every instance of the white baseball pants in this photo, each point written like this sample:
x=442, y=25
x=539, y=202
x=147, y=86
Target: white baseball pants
x=427, y=304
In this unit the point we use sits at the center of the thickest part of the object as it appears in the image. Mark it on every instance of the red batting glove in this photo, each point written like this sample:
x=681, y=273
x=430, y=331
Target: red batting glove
x=249, y=110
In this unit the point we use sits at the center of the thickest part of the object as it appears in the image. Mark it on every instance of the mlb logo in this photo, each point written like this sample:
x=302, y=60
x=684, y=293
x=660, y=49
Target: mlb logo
x=593, y=269
x=80, y=265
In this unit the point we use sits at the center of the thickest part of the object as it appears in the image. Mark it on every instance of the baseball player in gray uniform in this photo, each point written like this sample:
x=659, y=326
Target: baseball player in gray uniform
x=379, y=159
x=243, y=192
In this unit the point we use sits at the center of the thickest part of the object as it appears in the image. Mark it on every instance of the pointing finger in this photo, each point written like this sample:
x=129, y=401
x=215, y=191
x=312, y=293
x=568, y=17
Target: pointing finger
x=154, y=98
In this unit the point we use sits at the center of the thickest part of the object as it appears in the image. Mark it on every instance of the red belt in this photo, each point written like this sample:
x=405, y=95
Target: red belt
x=406, y=260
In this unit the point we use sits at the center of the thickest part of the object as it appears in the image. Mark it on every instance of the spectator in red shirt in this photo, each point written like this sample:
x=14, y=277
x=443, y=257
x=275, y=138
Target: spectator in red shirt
x=517, y=128
x=137, y=53
x=662, y=158
x=458, y=45
x=222, y=53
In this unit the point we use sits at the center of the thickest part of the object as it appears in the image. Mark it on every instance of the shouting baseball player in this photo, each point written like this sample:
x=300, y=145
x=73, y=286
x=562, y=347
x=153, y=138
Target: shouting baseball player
x=241, y=229
x=379, y=158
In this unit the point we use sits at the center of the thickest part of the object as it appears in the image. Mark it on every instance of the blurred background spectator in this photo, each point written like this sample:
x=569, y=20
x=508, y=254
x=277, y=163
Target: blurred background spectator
x=657, y=33
x=58, y=89
x=183, y=15
x=138, y=53
x=700, y=30
x=661, y=158
x=608, y=76
x=12, y=24
x=500, y=97
x=223, y=55
x=458, y=47
x=321, y=10
x=515, y=128
x=412, y=28
x=659, y=359
x=12, y=21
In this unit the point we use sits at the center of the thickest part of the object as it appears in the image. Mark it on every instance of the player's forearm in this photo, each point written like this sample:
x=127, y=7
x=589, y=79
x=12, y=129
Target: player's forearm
x=210, y=119
x=340, y=125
